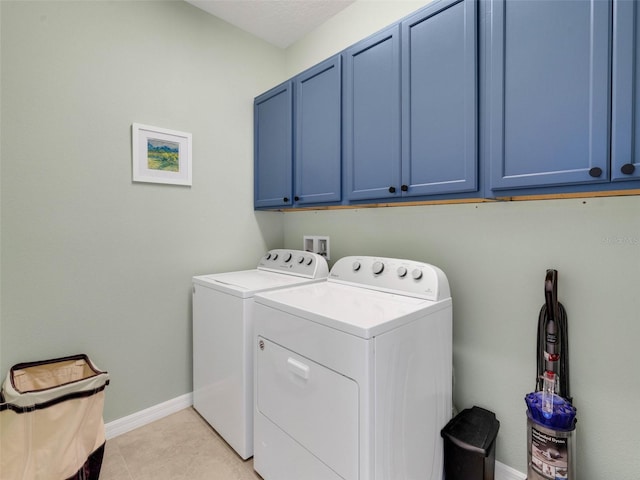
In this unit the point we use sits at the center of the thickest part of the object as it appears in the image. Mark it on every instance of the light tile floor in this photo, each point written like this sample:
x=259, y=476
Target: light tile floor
x=178, y=447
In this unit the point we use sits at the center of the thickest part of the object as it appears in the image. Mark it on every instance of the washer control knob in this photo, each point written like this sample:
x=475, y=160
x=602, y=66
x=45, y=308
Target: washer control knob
x=356, y=266
x=275, y=257
x=267, y=256
x=377, y=268
x=300, y=259
x=416, y=274
x=309, y=260
x=402, y=271
x=287, y=258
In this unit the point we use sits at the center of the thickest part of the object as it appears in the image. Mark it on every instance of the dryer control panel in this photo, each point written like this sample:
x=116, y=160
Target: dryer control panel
x=294, y=262
x=393, y=275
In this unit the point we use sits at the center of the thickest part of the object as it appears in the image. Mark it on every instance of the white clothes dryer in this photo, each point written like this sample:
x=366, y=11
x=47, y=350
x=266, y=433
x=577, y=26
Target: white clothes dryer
x=353, y=376
x=222, y=338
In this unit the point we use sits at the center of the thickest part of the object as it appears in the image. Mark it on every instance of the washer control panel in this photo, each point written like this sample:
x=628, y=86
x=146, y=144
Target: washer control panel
x=393, y=275
x=294, y=262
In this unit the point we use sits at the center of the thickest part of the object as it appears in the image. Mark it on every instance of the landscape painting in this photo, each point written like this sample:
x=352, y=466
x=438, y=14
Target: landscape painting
x=163, y=155
x=160, y=155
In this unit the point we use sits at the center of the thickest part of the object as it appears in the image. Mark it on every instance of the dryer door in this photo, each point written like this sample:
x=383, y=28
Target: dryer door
x=314, y=405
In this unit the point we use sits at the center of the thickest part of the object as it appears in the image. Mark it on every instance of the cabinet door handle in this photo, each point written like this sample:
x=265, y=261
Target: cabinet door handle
x=404, y=188
x=296, y=198
x=595, y=172
x=628, y=168
x=285, y=199
x=392, y=189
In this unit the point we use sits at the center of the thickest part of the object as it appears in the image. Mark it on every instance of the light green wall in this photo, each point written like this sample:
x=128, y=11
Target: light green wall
x=496, y=256
x=92, y=262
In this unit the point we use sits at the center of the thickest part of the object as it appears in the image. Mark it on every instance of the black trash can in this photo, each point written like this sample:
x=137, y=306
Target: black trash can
x=470, y=445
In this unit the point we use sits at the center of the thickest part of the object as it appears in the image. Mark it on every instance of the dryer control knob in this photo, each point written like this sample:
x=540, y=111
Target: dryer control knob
x=402, y=271
x=377, y=268
x=356, y=266
x=300, y=259
x=275, y=257
x=309, y=260
x=416, y=273
x=287, y=258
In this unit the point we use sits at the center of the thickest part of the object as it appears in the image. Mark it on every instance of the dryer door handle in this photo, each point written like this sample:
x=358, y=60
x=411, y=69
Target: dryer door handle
x=298, y=368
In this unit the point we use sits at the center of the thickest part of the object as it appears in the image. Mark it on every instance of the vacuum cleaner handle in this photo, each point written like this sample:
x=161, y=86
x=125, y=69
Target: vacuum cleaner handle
x=552, y=347
x=552, y=339
x=551, y=293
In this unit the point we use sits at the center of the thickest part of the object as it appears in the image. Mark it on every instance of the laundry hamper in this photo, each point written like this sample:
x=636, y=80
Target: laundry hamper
x=51, y=425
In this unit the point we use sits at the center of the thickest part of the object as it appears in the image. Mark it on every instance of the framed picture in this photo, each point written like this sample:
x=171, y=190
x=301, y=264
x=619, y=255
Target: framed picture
x=161, y=155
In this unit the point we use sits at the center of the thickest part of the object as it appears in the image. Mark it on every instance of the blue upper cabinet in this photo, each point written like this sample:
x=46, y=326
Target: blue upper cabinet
x=318, y=133
x=411, y=106
x=372, y=117
x=273, y=147
x=439, y=100
x=464, y=98
x=548, y=92
x=625, y=141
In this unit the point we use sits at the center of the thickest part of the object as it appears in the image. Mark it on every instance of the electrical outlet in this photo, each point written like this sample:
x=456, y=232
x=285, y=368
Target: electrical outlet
x=317, y=244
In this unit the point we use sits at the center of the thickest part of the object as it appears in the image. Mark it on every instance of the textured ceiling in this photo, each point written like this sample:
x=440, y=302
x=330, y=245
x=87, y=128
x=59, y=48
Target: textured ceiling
x=279, y=22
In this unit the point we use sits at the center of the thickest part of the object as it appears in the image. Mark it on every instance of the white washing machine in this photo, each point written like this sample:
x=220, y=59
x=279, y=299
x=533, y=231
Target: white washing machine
x=222, y=338
x=353, y=376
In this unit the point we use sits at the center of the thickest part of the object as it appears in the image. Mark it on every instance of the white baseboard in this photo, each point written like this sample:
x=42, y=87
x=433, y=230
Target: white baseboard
x=144, y=417
x=505, y=472
x=151, y=414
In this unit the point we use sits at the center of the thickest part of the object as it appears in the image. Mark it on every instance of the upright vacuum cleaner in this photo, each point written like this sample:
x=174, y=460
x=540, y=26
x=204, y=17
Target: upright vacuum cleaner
x=551, y=416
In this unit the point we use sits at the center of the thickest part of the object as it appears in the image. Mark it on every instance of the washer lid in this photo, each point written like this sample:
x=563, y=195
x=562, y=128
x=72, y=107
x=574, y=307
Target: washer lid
x=358, y=311
x=278, y=268
x=248, y=282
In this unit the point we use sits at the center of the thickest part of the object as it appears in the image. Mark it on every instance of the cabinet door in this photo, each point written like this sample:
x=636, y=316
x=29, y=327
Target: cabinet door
x=625, y=141
x=372, y=117
x=548, y=71
x=318, y=131
x=439, y=100
x=272, y=112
